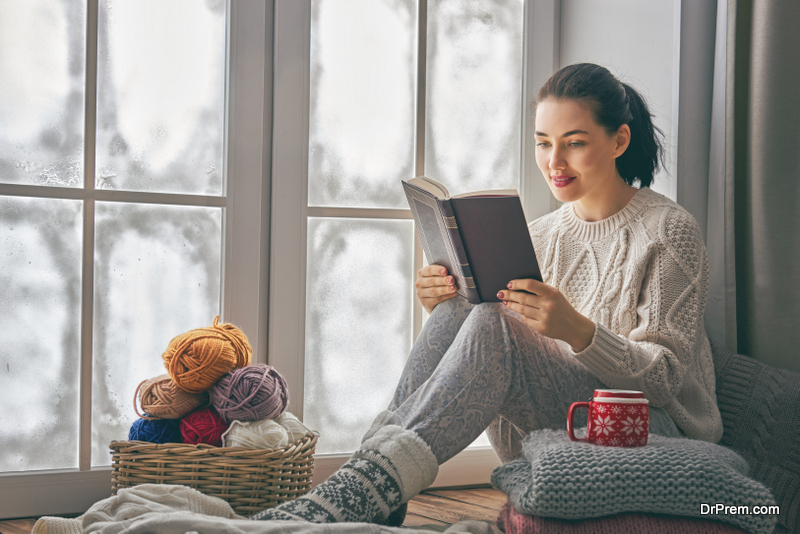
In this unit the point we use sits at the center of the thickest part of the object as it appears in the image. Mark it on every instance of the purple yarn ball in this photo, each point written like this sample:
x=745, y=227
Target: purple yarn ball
x=156, y=431
x=250, y=393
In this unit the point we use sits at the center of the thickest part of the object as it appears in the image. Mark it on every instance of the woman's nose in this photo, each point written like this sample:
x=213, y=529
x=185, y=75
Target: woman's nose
x=557, y=162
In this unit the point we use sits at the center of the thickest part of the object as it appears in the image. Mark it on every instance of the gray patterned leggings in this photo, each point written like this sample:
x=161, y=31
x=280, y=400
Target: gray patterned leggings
x=476, y=368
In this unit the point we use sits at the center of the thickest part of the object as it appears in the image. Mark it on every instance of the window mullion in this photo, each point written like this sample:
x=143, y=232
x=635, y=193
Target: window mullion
x=288, y=233
x=422, y=77
x=87, y=278
x=246, y=222
x=422, y=73
x=541, y=38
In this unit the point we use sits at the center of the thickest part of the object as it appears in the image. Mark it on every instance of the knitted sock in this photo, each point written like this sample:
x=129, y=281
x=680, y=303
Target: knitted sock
x=391, y=467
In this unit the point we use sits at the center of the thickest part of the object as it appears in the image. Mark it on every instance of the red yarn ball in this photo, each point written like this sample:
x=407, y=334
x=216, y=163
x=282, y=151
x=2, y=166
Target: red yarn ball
x=203, y=426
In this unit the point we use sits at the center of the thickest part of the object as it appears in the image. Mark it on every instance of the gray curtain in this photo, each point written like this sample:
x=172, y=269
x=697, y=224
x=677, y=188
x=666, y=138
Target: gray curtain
x=753, y=217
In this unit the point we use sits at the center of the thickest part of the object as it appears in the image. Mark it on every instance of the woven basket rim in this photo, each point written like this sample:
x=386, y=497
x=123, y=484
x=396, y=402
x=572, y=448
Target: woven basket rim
x=308, y=438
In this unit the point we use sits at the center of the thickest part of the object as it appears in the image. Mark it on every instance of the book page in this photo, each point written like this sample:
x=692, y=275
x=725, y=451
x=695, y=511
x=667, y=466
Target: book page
x=494, y=193
x=431, y=186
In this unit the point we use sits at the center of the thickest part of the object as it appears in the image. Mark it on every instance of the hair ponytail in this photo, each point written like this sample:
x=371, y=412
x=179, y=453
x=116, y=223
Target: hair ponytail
x=613, y=104
x=645, y=152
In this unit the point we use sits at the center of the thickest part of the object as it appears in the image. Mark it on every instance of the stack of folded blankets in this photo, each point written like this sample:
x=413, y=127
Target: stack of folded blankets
x=671, y=485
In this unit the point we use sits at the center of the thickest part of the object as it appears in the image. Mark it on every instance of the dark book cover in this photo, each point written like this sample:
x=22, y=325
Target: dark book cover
x=497, y=242
x=482, y=240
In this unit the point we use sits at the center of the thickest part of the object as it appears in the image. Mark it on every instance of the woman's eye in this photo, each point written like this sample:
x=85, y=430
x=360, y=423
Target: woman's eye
x=542, y=144
x=576, y=144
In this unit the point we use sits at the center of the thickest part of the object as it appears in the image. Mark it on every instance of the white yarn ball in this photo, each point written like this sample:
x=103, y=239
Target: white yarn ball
x=293, y=426
x=261, y=434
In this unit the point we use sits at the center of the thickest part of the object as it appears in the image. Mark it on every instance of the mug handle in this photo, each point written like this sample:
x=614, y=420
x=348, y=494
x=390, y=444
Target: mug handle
x=570, y=428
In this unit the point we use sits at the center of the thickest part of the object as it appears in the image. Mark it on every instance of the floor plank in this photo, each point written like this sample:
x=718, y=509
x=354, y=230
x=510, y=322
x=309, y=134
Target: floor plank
x=419, y=521
x=450, y=511
x=483, y=497
x=17, y=526
x=452, y=506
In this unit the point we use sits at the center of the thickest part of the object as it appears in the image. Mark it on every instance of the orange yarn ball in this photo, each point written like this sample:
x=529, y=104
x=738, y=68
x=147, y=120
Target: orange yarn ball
x=161, y=398
x=197, y=359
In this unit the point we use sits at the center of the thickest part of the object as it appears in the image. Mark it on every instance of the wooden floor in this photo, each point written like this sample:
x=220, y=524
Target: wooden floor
x=433, y=509
x=438, y=509
x=17, y=526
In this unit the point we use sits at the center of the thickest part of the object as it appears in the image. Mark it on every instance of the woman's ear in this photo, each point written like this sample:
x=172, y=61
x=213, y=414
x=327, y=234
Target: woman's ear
x=623, y=139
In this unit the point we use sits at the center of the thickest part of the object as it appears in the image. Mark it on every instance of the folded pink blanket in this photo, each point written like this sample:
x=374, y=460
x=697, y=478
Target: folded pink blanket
x=512, y=522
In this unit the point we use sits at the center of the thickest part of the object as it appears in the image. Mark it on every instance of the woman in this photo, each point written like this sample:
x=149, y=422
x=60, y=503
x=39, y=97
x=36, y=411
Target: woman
x=621, y=306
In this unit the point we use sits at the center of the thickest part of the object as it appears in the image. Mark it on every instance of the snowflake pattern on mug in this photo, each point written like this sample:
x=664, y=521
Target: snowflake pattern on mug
x=602, y=425
x=633, y=425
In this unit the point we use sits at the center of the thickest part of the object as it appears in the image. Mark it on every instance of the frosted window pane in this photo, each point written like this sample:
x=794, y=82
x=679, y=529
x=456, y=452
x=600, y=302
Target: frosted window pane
x=157, y=275
x=42, y=78
x=474, y=91
x=40, y=285
x=160, y=97
x=361, y=124
x=358, y=324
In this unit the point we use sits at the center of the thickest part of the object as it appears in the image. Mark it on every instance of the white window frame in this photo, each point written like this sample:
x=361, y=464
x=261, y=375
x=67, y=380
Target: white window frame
x=290, y=209
x=246, y=226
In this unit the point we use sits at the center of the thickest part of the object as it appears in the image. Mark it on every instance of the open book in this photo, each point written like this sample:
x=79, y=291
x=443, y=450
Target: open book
x=481, y=238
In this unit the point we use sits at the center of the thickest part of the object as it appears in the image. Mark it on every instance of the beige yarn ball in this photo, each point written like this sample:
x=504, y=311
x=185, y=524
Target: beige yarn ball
x=293, y=426
x=262, y=434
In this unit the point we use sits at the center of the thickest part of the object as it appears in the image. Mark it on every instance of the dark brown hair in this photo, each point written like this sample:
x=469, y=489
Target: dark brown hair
x=613, y=104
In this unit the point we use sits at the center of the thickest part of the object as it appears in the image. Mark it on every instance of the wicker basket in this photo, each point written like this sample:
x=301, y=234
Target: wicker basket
x=248, y=479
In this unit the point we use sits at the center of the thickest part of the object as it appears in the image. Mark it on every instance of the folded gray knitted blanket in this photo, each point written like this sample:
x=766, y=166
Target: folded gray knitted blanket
x=675, y=476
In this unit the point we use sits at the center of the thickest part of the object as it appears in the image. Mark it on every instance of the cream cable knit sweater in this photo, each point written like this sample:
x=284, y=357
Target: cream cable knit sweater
x=642, y=276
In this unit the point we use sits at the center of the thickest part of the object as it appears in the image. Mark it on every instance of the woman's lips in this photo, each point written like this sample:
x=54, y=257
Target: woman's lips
x=562, y=181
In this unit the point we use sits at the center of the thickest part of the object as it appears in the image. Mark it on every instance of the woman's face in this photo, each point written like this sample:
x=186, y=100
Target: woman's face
x=575, y=154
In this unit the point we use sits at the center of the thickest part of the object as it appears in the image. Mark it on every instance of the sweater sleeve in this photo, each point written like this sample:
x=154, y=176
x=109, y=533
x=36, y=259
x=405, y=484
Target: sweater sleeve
x=659, y=352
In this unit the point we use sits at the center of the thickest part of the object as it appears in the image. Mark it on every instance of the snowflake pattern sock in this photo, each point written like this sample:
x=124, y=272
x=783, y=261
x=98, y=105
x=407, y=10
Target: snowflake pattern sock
x=364, y=489
x=390, y=468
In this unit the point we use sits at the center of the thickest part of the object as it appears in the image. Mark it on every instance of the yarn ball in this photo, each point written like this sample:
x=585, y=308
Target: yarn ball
x=161, y=398
x=293, y=426
x=263, y=434
x=197, y=359
x=203, y=426
x=250, y=393
x=155, y=431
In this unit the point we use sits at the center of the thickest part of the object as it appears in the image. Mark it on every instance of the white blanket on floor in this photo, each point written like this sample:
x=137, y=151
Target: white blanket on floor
x=171, y=509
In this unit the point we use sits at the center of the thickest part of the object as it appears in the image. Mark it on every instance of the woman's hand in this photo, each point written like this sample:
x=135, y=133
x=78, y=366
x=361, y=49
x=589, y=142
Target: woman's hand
x=547, y=311
x=434, y=285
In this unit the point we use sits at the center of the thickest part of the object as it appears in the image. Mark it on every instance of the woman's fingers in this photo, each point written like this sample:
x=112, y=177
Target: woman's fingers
x=434, y=285
x=522, y=298
x=432, y=270
x=529, y=285
x=434, y=281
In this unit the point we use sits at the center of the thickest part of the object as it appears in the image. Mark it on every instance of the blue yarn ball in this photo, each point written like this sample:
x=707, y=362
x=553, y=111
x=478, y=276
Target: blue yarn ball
x=156, y=431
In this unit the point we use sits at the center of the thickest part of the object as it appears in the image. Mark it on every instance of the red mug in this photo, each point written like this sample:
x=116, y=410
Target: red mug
x=617, y=418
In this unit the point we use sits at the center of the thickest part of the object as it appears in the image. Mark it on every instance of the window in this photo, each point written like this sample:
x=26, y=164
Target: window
x=430, y=87
x=368, y=93
x=127, y=216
